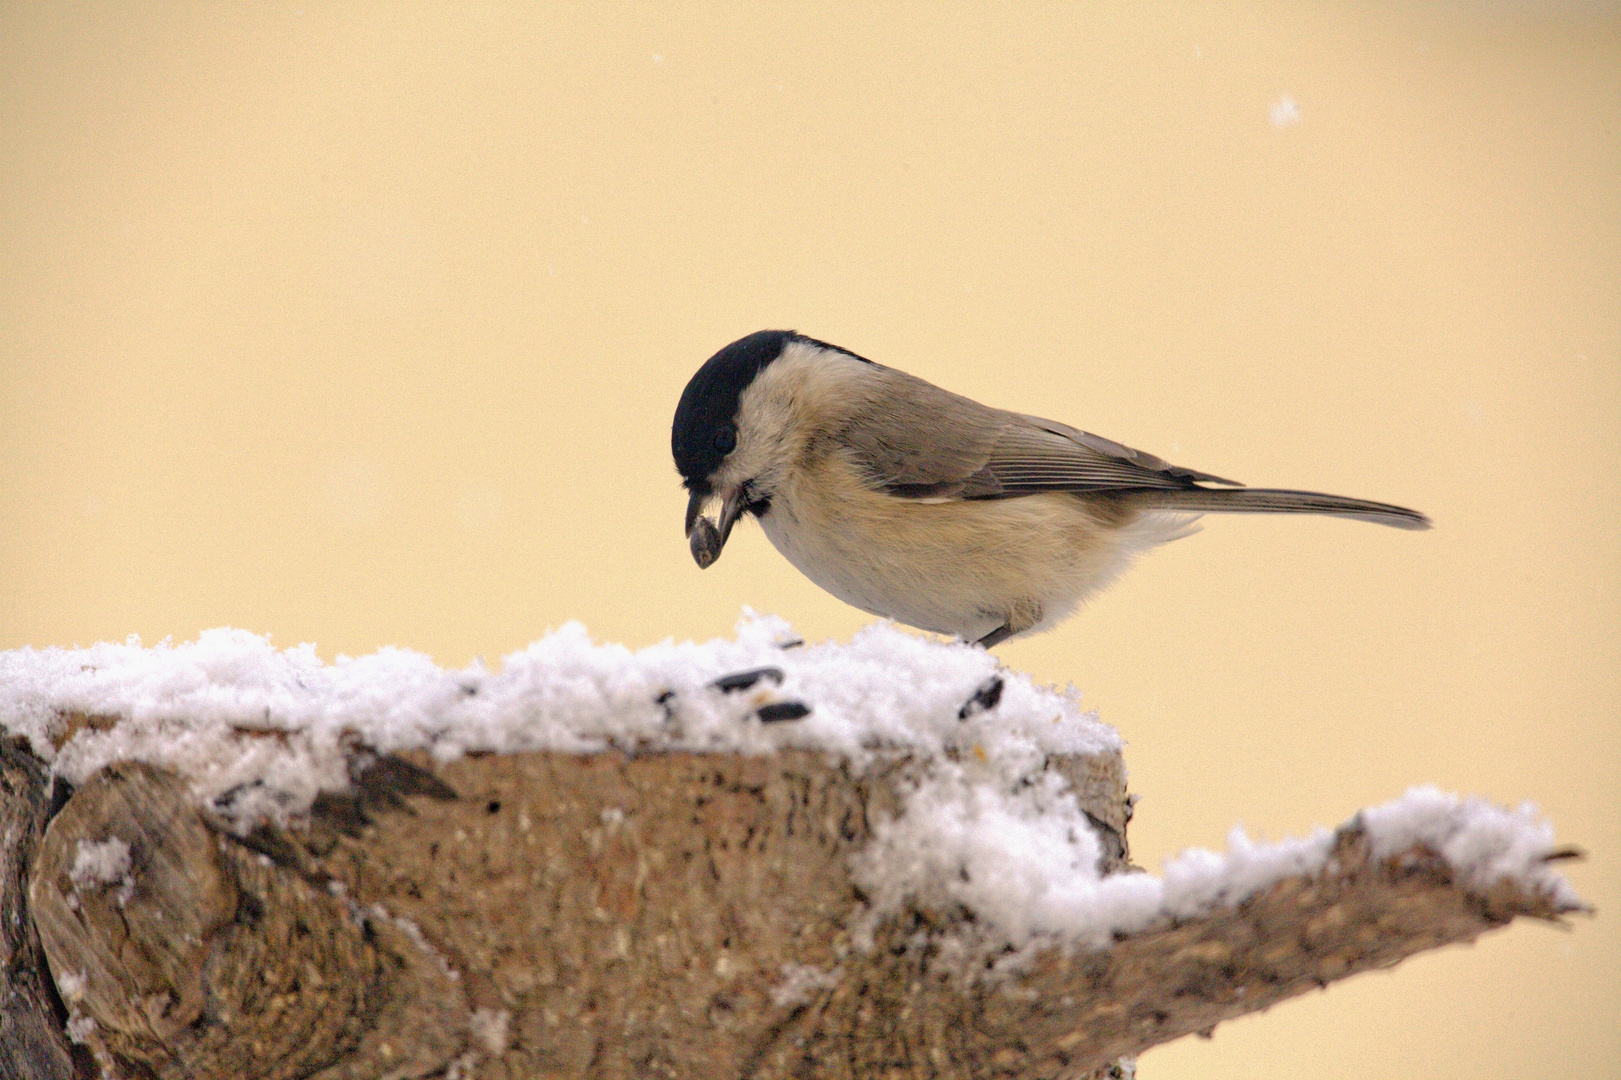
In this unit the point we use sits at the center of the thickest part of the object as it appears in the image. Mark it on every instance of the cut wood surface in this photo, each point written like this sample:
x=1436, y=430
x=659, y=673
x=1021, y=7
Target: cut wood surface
x=667, y=914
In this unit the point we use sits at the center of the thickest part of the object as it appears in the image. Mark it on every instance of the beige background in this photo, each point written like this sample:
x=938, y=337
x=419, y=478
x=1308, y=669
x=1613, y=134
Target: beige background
x=364, y=325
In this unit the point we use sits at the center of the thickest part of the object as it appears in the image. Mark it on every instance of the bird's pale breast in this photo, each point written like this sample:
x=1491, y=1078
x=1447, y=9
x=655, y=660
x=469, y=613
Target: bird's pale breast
x=956, y=567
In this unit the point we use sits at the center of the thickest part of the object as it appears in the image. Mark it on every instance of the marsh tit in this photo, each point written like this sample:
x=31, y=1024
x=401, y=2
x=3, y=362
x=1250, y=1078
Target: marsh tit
x=923, y=506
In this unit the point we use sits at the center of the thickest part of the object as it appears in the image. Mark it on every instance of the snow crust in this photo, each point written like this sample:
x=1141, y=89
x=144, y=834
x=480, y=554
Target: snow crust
x=269, y=726
x=261, y=731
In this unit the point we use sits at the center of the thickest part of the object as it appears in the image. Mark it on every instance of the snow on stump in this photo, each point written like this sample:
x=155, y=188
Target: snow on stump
x=748, y=858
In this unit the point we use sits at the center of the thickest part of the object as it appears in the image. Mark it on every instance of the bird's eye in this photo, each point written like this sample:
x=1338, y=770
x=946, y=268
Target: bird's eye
x=725, y=440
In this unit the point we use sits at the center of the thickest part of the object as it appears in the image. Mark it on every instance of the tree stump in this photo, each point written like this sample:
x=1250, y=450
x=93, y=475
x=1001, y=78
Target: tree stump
x=663, y=914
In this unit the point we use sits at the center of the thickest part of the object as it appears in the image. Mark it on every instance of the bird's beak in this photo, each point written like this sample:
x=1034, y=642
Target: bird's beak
x=705, y=537
x=695, y=506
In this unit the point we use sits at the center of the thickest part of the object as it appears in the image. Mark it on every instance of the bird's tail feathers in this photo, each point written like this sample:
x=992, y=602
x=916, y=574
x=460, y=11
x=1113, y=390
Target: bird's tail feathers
x=1278, y=501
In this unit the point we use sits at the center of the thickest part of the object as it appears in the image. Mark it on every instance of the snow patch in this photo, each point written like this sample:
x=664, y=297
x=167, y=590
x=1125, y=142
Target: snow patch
x=984, y=824
x=1482, y=842
x=801, y=983
x=489, y=1027
x=99, y=862
x=72, y=986
x=1025, y=862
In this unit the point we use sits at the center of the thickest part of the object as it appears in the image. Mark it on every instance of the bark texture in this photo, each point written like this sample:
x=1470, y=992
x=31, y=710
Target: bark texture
x=33, y=1043
x=662, y=915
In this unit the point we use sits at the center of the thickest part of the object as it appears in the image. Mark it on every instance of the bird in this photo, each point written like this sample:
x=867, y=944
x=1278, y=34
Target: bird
x=925, y=507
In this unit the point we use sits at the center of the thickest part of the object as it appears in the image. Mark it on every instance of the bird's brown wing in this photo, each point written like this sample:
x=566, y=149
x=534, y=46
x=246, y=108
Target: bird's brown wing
x=938, y=445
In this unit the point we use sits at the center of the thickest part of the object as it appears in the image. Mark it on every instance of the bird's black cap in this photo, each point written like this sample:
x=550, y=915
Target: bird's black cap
x=705, y=420
x=705, y=428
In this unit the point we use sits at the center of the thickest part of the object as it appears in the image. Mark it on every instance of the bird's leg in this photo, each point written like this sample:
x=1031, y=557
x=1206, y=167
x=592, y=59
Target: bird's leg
x=1024, y=615
x=995, y=637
